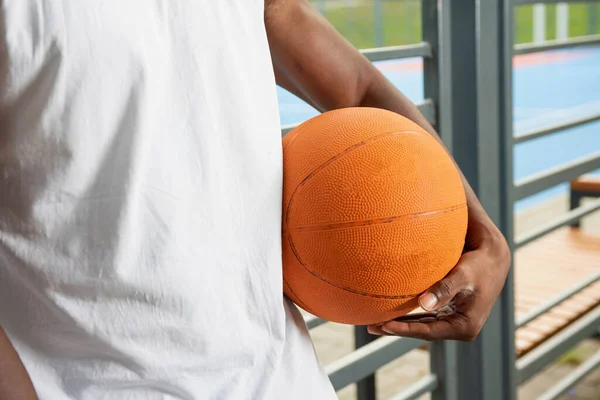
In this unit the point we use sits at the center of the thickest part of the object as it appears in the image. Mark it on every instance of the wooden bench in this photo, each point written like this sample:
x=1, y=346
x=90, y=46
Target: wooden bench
x=551, y=265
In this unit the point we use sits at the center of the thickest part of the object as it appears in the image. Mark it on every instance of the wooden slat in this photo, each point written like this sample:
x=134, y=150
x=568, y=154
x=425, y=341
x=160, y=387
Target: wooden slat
x=544, y=269
x=586, y=183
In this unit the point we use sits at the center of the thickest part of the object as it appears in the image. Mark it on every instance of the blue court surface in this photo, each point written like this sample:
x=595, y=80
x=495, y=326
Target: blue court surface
x=550, y=87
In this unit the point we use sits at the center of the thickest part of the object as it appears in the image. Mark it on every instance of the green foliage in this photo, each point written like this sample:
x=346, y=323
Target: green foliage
x=355, y=19
x=572, y=357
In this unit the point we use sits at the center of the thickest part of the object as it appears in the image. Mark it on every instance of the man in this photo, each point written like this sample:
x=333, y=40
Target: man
x=140, y=198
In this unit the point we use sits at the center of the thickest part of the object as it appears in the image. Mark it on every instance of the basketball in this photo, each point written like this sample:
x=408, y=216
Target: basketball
x=374, y=213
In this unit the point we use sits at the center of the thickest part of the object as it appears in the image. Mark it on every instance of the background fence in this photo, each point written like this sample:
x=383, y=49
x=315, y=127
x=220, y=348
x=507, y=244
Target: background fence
x=467, y=48
x=378, y=23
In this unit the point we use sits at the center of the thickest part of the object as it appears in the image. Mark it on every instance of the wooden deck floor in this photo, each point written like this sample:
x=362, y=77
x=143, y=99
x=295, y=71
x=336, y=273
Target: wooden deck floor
x=548, y=267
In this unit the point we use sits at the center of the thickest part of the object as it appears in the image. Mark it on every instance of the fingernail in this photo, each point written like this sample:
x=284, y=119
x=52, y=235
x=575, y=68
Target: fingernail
x=428, y=301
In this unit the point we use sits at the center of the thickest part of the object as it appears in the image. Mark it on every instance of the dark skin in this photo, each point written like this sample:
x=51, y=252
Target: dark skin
x=14, y=380
x=318, y=65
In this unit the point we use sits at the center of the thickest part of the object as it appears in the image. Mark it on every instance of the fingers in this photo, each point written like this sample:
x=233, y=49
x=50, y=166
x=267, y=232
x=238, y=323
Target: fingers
x=462, y=323
x=454, y=310
x=429, y=331
x=422, y=317
x=454, y=327
x=444, y=291
x=376, y=330
x=442, y=312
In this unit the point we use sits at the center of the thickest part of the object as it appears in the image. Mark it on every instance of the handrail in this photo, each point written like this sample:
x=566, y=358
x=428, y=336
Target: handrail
x=422, y=49
x=426, y=384
x=558, y=299
x=537, y=133
x=523, y=2
x=541, y=181
x=534, y=361
x=572, y=378
x=527, y=48
x=313, y=322
x=365, y=360
x=566, y=219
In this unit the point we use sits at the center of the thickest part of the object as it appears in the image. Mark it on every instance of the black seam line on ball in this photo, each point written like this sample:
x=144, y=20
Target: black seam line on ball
x=347, y=289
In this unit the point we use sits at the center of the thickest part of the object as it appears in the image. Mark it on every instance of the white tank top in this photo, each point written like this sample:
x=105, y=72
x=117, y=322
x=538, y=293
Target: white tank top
x=140, y=202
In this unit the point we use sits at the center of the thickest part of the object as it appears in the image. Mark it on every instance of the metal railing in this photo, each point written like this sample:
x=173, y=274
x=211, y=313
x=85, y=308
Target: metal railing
x=527, y=48
x=468, y=98
x=365, y=360
x=538, y=133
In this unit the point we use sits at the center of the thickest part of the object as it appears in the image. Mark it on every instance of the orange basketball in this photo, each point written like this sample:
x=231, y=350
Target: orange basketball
x=374, y=213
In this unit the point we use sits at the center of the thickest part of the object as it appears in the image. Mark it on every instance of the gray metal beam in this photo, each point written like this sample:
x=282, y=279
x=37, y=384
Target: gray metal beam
x=321, y=6
x=559, y=299
x=365, y=388
x=422, y=49
x=537, y=133
x=540, y=357
x=476, y=86
x=424, y=385
x=362, y=362
x=572, y=378
x=444, y=365
x=438, y=86
x=378, y=21
x=527, y=48
x=495, y=123
x=541, y=181
x=426, y=107
x=285, y=129
x=592, y=11
x=312, y=321
x=438, y=69
x=565, y=219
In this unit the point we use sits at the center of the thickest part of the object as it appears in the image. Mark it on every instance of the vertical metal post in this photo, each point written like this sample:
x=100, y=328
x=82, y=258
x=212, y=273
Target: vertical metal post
x=562, y=21
x=348, y=11
x=539, y=23
x=378, y=22
x=365, y=389
x=321, y=6
x=436, y=31
x=475, y=119
x=574, y=202
x=495, y=184
x=438, y=87
x=592, y=18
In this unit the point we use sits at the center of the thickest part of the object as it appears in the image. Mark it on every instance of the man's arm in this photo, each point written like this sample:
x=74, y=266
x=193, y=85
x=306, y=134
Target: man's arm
x=14, y=380
x=313, y=61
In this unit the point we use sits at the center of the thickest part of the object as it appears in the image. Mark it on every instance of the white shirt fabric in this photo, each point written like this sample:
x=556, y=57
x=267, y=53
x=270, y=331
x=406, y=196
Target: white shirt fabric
x=140, y=203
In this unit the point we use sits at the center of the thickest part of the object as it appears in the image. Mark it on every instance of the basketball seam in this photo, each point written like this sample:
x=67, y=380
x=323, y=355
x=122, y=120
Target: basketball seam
x=347, y=289
x=330, y=161
x=373, y=222
x=297, y=298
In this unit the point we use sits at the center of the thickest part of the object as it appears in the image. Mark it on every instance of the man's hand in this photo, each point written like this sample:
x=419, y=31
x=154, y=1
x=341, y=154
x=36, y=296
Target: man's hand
x=313, y=61
x=460, y=303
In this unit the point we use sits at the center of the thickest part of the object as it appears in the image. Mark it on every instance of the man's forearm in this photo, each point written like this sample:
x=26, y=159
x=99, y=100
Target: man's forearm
x=317, y=64
x=14, y=379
